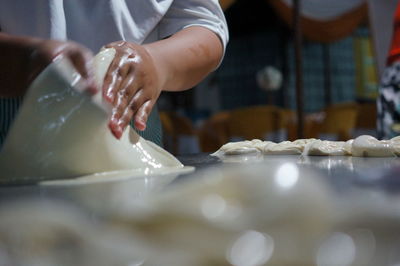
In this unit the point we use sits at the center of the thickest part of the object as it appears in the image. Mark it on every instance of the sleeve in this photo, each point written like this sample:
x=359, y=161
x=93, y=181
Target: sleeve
x=186, y=13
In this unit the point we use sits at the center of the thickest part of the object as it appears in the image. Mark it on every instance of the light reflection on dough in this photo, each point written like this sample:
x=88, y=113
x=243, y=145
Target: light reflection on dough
x=252, y=248
x=213, y=206
x=337, y=249
x=287, y=175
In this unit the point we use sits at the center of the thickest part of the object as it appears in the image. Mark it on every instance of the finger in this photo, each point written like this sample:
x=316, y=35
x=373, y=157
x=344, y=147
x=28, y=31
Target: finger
x=122, y=112
x=112, y=80
x=142, y=115
x=115, y=129
x=126, y=100
x=132, y=108
x=82, y=61
x=39, y=60
x=129, y=89
x=123, y=122
x=116, y=44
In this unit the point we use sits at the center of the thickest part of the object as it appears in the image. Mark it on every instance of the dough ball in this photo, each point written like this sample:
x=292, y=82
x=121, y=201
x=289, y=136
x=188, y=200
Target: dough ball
x=368, y=146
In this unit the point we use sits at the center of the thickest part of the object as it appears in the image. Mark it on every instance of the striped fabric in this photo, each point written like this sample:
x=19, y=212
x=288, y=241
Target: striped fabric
x=9, y=108
x=343, y=74
x=153, y=130
x=248, y=54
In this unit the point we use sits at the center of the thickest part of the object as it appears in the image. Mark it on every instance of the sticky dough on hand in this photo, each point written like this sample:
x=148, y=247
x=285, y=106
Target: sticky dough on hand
x=60, y=132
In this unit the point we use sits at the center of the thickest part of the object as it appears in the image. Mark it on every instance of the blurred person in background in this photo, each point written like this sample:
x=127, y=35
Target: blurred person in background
x=388, y=102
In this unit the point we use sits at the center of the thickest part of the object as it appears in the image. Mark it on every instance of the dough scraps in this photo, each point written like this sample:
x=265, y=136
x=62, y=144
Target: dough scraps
x=242, y=147
x=362, y=146
x=326, y=147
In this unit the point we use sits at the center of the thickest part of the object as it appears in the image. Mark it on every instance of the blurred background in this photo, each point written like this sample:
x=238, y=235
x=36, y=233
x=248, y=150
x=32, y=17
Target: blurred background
x=253, y=93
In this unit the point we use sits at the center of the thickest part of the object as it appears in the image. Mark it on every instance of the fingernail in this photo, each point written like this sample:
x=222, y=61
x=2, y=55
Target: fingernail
x=109, y=96
x=112, y=122
x=115, y=130
x=140, y=124
x=117, y=133
x=121, y=125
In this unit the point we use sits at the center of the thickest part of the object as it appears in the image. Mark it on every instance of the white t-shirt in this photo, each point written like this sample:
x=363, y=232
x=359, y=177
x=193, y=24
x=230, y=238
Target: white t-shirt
x=95, y=23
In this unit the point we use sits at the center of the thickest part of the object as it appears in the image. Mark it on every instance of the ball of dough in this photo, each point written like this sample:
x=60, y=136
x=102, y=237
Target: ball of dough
x=368, y=146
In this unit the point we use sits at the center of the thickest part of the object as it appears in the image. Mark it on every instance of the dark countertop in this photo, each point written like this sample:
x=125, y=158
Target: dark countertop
x=365, y=199
x=342, y=173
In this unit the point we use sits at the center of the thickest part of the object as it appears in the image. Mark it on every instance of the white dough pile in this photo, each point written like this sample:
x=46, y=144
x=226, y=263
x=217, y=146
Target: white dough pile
x=362, y=146
x=60, y=132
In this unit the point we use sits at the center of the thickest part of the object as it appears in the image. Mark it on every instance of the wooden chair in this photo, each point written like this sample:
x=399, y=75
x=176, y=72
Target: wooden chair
x=366, y=119
x=340, y=119
x=175, y=126
x=288, y=121
x=244, y=123
x=253, y=122
x=366, y=116
x=312, y=124
x=214, y=132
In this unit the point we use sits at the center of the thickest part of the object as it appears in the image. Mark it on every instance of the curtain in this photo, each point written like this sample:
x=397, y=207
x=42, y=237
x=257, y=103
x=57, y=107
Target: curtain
x=226, y=3
x=325, y=20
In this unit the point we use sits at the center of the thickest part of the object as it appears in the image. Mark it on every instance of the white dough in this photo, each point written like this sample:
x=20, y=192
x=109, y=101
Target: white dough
x=287, y=147
x=348, y=145
x=362, y=146
x=61, y=132
x=395, y=142
x=283, y=148
x=241, y=147
x=325, y=147
x=368, y=146
x=265, y=147
x=303, y=142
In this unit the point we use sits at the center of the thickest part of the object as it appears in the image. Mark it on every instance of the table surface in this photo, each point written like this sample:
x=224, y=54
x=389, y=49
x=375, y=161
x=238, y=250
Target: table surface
x=343, y=174
x=369, y=185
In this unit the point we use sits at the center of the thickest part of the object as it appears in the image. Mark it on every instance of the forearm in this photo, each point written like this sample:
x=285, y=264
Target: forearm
x=23, y=58
x=186, y=57
x=14, y=58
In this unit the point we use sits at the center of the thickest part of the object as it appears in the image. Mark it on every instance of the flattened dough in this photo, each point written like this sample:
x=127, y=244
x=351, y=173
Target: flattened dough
x=60, y=132
x=362, y=146
x=325, y=147
x=241, y=147
x=283, y=148
x=265, y=147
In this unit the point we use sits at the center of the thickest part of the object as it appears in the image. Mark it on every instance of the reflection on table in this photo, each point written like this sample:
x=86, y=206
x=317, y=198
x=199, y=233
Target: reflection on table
x=268, y=210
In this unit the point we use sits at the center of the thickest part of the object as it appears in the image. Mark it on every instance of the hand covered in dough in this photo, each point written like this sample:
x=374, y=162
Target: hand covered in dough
x=46, y=51
x=23, y=58
x=132, y=85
